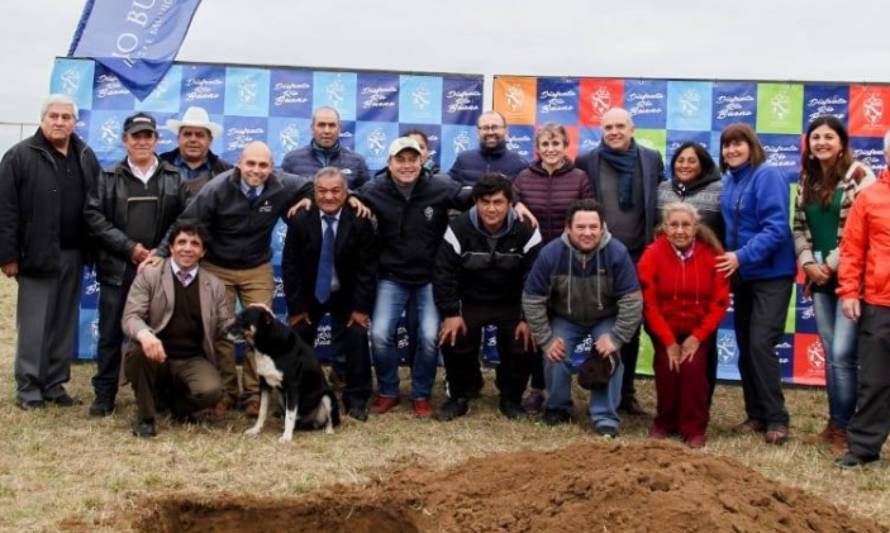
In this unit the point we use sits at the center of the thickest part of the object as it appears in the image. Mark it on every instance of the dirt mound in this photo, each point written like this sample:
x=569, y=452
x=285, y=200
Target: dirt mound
x=586, y=487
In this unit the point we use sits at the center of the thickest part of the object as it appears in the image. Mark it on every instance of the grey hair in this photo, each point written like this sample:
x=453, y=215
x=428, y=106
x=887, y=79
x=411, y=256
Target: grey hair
x=683, y=207
x=325, y=108
x=58, y=99
x=328, y=172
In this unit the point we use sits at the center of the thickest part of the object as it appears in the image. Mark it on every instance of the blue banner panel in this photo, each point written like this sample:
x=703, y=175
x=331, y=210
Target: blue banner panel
x=647, y=103
x=734, y=102
x=558, y=101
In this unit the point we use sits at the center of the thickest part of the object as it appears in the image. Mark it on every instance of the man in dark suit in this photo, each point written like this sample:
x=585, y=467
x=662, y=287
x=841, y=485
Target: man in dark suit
x=329, y=266
x=625, y=177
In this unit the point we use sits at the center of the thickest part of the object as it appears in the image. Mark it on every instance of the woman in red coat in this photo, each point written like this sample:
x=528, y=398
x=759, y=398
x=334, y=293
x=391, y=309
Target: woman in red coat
x=684, y=299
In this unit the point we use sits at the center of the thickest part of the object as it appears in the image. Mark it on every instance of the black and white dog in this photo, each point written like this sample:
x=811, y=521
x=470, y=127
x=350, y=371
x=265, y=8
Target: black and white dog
x=286, y=363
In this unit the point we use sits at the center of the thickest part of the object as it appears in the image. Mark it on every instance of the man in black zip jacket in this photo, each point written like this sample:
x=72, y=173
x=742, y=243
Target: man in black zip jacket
x=480, y=269
x=43, y=185
x=412, y=212
x=129, y=211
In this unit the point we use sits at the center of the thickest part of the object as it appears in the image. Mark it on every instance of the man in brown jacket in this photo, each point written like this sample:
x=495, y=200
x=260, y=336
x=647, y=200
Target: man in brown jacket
x=174, y=316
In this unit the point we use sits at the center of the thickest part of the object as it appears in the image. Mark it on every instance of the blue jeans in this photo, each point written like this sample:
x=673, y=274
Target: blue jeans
x=392, y=300
x=604, y=402
x=838, y=334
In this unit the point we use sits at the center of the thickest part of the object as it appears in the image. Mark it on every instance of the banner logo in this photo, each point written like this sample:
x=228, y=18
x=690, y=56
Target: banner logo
x=690, y=102
x=816, y=355
x=421, y=97
x=70, y=81
x=461, y=142
x=110, y=132
x=725, y=349
x=780, y=103
x=873, y=109
x=335, y=91
x=515, y=97
x=377, y=142
x=601, y=100
x=289, y=137
x=247, y=90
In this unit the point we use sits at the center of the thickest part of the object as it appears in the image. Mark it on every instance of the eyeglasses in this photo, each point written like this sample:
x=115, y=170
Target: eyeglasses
x=491, y=127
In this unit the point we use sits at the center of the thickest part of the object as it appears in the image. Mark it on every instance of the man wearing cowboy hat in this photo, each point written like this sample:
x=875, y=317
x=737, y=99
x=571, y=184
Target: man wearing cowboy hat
x=194, y=133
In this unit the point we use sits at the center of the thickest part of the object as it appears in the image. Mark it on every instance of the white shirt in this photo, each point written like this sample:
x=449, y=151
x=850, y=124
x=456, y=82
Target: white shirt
x=143, y=177
x=191, y=273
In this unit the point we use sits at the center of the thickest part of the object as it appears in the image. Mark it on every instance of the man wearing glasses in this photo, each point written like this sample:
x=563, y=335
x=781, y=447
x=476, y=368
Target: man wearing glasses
x=492, y=155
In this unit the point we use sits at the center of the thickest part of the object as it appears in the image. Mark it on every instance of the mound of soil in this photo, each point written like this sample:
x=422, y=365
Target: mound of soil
x=586, y=487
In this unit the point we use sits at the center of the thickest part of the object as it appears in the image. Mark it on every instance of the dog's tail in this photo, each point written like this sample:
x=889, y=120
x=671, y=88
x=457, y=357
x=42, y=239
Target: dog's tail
x=335, y=407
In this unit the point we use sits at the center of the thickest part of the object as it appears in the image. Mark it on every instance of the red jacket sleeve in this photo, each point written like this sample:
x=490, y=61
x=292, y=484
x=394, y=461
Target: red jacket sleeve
x=853, y=247
x=648, y=273
x=717, y=307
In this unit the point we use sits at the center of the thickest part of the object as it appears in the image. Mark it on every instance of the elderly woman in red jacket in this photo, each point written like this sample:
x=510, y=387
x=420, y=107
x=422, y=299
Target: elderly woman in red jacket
x=684, y=299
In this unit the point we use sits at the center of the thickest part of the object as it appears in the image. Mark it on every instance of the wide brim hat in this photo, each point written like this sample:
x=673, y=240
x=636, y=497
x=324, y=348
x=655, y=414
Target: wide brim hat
x=195, y=117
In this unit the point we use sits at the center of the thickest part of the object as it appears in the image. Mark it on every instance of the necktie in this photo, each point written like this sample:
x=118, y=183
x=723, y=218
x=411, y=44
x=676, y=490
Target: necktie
x=252, y=194
x=325, y=261
x=184, y=277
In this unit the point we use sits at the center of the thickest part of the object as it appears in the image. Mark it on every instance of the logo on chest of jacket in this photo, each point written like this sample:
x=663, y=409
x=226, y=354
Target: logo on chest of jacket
x=265, y=208
x=428, y=213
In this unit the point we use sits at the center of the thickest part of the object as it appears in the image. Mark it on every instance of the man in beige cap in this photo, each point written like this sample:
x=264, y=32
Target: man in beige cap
x=194, y=134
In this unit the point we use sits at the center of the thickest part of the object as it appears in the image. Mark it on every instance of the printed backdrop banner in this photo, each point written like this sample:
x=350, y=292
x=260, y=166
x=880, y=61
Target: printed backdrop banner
x=667, y=113
x=273, y=105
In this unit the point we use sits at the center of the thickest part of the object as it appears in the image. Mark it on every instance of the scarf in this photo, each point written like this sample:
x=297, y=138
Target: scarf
x=625, y=163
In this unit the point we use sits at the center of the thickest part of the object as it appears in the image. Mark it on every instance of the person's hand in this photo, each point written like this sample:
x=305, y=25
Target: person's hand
x=295, y=320
x=556, y=352
x=451, y=328
x=152, y=346
x=604, y=345
x=360, y=209
x=851, y=308
x=728, y=263
x=523, y=213
x=688, y=349
x=524, y=333
x=305, y=203
x=816, y=274
x=139, y=254
x=11, y=269
x=673, y=355
x=150, y=261
x=357, y=317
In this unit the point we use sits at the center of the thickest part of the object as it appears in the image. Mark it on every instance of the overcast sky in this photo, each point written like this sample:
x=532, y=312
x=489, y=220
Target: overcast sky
x=755, y=39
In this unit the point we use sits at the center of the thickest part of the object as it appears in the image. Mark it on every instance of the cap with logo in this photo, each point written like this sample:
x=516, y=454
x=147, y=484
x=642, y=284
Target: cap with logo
x=403, y=143
x=140, y=122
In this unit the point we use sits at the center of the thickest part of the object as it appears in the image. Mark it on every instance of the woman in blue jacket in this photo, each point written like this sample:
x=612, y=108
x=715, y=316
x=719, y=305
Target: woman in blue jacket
x=760, y=255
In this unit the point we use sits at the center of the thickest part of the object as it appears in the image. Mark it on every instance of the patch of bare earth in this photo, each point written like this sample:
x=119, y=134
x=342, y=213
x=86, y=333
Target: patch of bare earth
x=594, y=486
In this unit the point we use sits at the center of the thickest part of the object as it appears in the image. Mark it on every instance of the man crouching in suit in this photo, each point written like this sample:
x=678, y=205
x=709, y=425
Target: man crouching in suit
x=174, y=315
x=329, y=266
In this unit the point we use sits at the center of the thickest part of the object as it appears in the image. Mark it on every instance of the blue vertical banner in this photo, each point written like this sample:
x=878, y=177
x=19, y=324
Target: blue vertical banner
x=137, y=41
x=456, y=139
x=521, y=139
x=825, y=100
x=783, y=152
x=734, y=102
x=109, y=92
x=287, y=134
x=74, y=78
x=461, y=100
x=646, y=101
x=165, y=97
x=372, y=140
x=291, y=93
x=337, y=90
x=420, y=99
x=377, y=97
x=247, y=92
x=557, y=100
x=689, y=105
x=869, y=150
x=204, y=86
x=238, y=132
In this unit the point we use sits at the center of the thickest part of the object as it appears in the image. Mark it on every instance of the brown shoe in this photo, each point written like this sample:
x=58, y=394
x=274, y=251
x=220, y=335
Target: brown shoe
x=749, y=426
x=824, y=437
x=222, y=406
x=776, y=434
x=252, y=409
x=838, y=443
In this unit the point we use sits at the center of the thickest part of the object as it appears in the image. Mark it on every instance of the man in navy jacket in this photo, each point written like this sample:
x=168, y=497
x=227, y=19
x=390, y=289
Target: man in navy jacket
x=624, y=176
x=325, y=150
x=492, y=154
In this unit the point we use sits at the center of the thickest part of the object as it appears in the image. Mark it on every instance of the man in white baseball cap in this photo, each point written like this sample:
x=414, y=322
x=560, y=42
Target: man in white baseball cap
x=194, y=134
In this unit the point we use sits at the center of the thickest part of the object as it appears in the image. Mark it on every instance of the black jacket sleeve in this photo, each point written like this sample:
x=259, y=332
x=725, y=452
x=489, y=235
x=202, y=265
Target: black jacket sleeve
x=445, y=276
x=366, y=269
x=109, y=236
x=9, y=208
x=292, y=271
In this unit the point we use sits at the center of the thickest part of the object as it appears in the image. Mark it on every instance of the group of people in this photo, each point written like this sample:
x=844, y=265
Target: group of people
x=550, y=252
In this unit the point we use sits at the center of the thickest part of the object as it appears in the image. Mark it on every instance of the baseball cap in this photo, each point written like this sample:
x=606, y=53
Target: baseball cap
x=403, y=143
x=140, y=122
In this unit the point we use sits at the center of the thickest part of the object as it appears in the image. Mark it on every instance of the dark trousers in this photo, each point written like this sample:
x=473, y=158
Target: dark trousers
x=760, y=310
x=682, y=396
x=630, y=352
x=870, y=424
x=350, y=344
x=46, y=319
x=185, y=385
x=462, y=359
x=112, y=299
